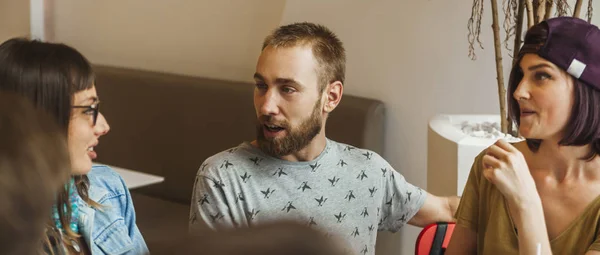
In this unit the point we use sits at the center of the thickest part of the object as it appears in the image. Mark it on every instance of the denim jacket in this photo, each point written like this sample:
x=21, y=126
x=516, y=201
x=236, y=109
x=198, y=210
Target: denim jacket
x=111, y=229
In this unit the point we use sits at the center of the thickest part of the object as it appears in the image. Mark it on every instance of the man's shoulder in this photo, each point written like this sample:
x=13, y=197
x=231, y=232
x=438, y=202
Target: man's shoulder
x=228, y=159
x=353, y=151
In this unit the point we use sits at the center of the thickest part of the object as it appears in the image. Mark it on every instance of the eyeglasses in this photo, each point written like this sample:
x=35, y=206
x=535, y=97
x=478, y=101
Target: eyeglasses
x=90, y=109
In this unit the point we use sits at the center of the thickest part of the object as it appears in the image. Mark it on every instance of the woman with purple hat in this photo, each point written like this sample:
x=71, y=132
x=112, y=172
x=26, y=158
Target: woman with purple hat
x=542, y=195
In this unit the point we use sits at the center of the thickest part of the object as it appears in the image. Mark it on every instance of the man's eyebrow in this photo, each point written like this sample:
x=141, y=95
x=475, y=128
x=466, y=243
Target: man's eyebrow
x=287, y=81
x=257, y=76
x=280, y=80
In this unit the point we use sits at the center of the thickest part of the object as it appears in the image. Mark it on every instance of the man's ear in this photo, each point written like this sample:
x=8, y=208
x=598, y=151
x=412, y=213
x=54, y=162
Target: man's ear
x=333, y=95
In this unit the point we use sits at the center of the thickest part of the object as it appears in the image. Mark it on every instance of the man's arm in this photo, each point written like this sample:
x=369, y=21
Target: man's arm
x=209, y=208
x=435, y=209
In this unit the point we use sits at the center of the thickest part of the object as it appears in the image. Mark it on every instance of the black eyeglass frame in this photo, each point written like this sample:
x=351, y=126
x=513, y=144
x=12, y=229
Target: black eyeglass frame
x=94, y=107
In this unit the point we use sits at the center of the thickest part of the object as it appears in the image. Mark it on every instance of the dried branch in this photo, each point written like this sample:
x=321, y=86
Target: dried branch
x=499, y=71
x=510, y=19
x=541, y=11
x=549, y=5
x=562, y=8
x=530, y=20
x=519, y=30
x=590, y=11
x=474, y=27
x=577, y=10
x=535, y=4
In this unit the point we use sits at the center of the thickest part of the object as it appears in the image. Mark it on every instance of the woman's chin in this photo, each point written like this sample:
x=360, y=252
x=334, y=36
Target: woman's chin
x=527, y=133
x=81, y=168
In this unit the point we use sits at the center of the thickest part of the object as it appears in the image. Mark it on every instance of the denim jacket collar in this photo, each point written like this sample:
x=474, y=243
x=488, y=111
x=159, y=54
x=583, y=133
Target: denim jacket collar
x=87, y=213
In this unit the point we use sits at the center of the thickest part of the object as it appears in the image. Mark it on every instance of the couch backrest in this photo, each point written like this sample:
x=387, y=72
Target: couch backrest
x=168, y=124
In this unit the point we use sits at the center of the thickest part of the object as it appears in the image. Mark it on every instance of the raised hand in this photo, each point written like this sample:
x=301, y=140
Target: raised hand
x=505, y=167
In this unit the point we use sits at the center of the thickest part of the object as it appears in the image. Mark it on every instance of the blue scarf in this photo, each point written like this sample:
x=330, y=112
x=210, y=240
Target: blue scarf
x=74, y=209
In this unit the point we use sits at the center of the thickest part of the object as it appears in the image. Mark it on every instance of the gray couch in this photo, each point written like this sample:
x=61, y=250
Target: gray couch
x=167, y=124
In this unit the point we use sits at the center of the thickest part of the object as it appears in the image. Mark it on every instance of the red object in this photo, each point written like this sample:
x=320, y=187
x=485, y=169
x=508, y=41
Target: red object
x=434, y=238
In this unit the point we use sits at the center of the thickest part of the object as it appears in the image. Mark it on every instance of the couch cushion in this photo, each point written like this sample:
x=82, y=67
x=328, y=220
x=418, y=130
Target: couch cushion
x=161, y=222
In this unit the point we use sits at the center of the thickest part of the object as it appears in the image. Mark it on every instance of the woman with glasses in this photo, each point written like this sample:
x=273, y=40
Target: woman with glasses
x=94, y=212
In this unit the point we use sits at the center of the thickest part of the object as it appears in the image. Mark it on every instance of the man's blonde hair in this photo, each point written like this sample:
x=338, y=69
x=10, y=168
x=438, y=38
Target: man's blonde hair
x=326, y=47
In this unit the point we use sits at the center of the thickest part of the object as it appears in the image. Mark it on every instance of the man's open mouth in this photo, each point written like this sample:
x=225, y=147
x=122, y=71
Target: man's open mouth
x=273, y=128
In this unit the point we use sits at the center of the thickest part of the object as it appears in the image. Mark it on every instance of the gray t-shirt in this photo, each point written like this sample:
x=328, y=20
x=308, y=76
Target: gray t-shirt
x=346, y=191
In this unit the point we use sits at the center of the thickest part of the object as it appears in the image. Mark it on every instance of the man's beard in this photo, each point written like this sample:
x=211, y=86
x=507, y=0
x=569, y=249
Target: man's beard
x=296, y=138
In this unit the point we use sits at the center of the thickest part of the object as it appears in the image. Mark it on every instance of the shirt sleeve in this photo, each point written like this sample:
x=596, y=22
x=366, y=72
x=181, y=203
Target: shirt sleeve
x=209, y=207
x=467, y=214
x=401, y=201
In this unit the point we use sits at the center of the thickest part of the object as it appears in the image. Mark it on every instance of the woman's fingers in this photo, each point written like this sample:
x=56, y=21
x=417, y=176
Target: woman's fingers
x=497, y=152
x=491, y=162
x=488, y=173
x=506, y=146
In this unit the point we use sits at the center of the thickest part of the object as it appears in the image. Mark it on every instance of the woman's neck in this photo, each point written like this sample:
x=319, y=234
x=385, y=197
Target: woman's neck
x=564, y=162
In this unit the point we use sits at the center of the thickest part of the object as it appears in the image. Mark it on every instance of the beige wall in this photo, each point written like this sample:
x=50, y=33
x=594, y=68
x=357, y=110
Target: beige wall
x=218, y=39
x=413, y=56
x=14, y=18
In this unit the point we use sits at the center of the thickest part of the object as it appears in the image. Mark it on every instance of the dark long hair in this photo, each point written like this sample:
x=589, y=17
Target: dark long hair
x=583, y=127
x=49, y=74
x=33, y=151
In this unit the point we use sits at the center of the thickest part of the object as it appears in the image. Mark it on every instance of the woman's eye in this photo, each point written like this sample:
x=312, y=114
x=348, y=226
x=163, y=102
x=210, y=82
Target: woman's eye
x=89, y=112
x=540, y=76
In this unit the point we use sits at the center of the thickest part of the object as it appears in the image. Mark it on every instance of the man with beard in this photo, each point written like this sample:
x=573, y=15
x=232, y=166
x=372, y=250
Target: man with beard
x=292, y=171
